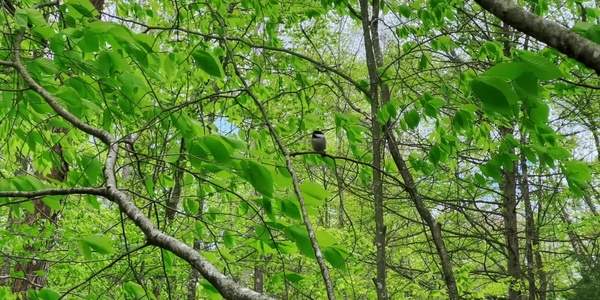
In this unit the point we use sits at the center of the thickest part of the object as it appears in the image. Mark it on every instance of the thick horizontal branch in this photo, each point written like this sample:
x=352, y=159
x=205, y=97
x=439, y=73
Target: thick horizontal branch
x=554, y=35
x=55, y=192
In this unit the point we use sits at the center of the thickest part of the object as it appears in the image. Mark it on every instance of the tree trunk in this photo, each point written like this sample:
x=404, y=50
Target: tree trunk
x=374, y=57
x=340, y=182
x=380, y=243
x=425, y=214
x=173, y=201
x=508, y=186
x=529, y=222
x=259, y=280
x=194, y=275
x=578, y=247
x=43, y=211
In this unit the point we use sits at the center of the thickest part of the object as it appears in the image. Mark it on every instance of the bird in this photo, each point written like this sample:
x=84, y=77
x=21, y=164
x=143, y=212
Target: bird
x=318, y=142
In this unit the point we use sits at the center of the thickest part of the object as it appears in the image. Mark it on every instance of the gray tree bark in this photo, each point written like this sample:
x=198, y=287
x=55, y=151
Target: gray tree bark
x=554, y=35
x=380, y=243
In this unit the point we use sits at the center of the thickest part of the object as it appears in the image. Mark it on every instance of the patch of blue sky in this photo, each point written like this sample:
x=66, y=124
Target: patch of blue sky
x=225, y=127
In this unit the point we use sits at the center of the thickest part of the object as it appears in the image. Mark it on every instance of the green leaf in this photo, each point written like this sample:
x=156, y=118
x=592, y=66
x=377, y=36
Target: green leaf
x=480, y=179
x=235, y=143
x=492, y=169
x=450, y=138
x=582, y=26
x=208, y=63
x=183, y=122
x=529, y=83
x=262, y=233
x=391, y=109
x=290, y=210
x=53, y=202
x=35, y=17
x=539, y=112
x=228, y=239
x=217, y=148
x=166, y=180
x=558, y=153
x=27, y=183
x=509, y=71
x=310, y=189
x=149, y=186
x=96, y=297
x=578, y=174
x=436, y=102
x=424, y=62
x=412, y=118
x=46, y=294
x=213, y=293
x=84, y=7
x=100, y=26
x=135, y=290
x=168, y=258
x=46, y=65
x=90, y=42
x=578, y=170
x=299, y=235
x=293, y=277
x=191, y=206
x=101, y=244
x=44, y=32
x=325, y=239
x=405, y=11
x=435, y=154
x=259, y=176
x=495, y=95
x=199, y=228
x=85, y=249
x=93, y=201
x=530, y=154
x=92, y=168
x=21, y=17
x=540, y=66
x=383, y=116
x=28, y=206
x=334, y=258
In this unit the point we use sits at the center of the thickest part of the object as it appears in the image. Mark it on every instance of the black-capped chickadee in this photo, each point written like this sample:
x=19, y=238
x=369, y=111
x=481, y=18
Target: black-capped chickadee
x=318, y=142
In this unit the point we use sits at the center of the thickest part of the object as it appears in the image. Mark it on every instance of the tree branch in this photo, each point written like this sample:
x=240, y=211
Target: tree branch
x=228, y=288
x=55, y=192
x=554, y=35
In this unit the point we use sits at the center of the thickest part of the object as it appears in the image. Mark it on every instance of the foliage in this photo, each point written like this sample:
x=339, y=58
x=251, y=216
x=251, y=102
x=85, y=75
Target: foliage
x=206, y=102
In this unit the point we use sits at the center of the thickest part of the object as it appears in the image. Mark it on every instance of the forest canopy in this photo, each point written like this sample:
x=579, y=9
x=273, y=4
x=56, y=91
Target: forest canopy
x=161, y=149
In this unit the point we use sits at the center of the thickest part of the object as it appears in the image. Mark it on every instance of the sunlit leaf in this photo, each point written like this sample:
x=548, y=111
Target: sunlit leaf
x=495, y=95
x=540, y=66
x=259, y=176
x=101, y=244
x=208, y=63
